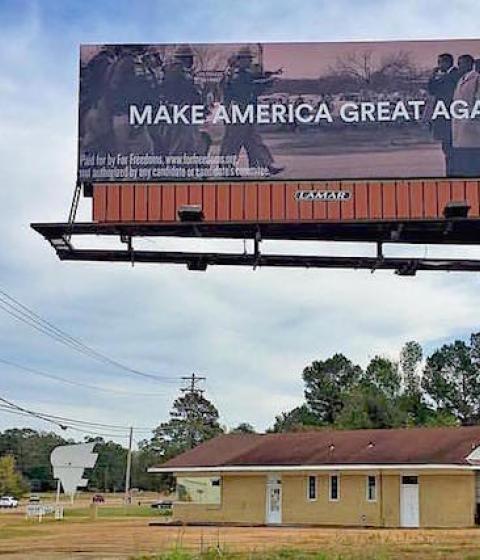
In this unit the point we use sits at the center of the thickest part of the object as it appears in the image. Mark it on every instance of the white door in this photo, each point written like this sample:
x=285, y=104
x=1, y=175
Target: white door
x=409, y=508
x=274, y=500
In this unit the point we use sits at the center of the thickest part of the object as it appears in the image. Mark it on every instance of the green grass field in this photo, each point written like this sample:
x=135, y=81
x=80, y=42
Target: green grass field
x=284, y=554
x=112, y=512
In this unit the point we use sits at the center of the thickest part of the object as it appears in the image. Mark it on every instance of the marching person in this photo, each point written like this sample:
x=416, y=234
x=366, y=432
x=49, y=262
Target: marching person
x=95, y=119
x=241, y=86
x=442, y=86
x=129, y=83
x=179, y=88
x=466, y=131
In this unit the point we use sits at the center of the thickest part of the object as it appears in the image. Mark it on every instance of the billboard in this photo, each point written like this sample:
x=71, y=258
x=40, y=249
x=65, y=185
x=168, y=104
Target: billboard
x=292, y=111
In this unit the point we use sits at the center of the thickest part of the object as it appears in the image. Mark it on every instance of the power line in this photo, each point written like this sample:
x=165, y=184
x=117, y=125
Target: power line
x=66, y=423
x=31, y=413
x=63, y=421
x=41, y=321
x=77, y=383
x=101, y=434
x=87, y=423
x=37, y=325
x=73, y=421
x=88, y=432
x=79, y=423
x=26, y=315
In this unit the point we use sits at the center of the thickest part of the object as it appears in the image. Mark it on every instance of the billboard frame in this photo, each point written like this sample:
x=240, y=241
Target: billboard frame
x=456, y=231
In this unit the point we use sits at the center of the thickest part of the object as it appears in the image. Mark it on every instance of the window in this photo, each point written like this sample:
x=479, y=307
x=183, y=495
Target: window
x=409, y=479
x=312, y=488
x=371, y=488
x=199, y=490
x=334, y=487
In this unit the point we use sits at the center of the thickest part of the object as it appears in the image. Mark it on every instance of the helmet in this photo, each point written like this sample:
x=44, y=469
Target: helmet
x=183, y=51
x=244, y=52
x=136, y=48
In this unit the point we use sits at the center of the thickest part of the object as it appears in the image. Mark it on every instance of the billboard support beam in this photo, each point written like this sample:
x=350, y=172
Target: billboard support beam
x=403, y=266
x=418, y=231
x=461, y=231
x=74, y=207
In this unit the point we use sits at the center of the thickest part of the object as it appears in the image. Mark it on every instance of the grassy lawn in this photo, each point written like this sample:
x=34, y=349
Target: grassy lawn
x=289, y=554
x=113, y=512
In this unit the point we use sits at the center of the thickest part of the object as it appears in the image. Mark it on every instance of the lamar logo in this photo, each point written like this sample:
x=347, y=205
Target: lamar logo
x=324, y=196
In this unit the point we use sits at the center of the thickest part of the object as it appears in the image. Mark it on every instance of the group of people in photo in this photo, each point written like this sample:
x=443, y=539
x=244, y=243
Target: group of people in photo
x=460, y=138
x=118, y=76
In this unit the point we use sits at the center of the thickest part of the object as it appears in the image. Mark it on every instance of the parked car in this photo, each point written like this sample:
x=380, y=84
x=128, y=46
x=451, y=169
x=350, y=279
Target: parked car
x=8, y=502
x=34, y=500
x=163, y=505
x=98, y=499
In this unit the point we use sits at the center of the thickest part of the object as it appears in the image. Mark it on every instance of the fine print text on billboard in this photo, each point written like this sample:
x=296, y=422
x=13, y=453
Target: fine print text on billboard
x=309, y=111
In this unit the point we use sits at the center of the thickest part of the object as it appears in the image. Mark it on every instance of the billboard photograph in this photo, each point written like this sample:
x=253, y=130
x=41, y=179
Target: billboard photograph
x=305, y=111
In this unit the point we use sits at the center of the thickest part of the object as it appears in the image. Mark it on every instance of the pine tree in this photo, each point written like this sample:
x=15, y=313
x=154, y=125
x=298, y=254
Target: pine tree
x=452, y=380
x=326, y=384
x=193, y=420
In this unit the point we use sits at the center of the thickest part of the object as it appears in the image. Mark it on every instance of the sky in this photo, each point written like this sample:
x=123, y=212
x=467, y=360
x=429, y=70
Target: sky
x=250, y=333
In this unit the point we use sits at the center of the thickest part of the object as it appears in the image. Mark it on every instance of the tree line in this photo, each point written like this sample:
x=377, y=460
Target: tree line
x=442, y=389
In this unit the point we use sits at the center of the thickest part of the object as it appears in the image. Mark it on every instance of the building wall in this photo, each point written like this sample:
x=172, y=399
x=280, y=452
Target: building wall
x=351, y=509
x=243, y=501
x=445, y=499
x=390, y=499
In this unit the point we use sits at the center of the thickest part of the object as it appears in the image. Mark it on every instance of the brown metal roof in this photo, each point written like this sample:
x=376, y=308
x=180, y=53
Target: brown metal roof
x=334, y=447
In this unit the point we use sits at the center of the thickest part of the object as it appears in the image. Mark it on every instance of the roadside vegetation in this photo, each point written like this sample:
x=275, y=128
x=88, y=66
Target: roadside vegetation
x=293, y=554
x=111, y=512
x=287, y=554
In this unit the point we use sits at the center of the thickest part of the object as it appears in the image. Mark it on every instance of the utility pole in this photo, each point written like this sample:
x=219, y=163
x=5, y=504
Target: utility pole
x=191, y=389
x=129, y=468
x=192, y=386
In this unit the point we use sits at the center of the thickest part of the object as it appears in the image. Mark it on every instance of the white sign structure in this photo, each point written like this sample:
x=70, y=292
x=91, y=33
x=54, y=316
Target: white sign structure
x=69, y=463
x=39, y=511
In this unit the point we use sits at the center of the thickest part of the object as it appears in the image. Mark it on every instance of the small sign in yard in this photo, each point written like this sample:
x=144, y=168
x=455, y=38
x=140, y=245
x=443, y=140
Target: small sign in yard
x=41, y=510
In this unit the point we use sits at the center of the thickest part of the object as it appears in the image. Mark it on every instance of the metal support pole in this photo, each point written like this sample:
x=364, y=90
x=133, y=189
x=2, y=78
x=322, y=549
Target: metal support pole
x=256, y=248
x=73, y=209
x=129, y=468
x=380, y=257
x=57, y=500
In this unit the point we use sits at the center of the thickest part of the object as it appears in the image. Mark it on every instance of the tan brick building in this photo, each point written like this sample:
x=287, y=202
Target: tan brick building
x=419, y=477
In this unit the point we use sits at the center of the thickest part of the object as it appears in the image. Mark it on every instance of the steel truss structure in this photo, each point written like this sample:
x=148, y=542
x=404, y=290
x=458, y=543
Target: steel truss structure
x=453, y=231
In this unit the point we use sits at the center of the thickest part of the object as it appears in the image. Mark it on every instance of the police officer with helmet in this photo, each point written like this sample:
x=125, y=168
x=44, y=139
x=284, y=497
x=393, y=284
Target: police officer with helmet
x=241, y=85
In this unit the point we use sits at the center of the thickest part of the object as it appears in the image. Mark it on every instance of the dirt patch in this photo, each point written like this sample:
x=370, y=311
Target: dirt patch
x=123, y=538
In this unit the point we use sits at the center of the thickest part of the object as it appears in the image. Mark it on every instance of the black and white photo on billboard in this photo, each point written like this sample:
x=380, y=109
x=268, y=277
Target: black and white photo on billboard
x=306, y=111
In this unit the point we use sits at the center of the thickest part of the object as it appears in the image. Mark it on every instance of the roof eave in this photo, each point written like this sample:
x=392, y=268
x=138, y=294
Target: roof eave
x=332, y=467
